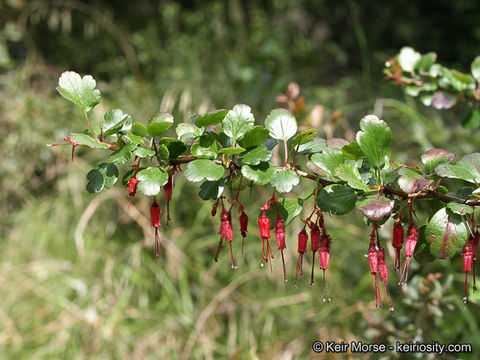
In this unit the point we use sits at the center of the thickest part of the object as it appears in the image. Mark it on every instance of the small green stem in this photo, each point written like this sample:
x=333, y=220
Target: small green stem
x=286, y=151
x=90, y=125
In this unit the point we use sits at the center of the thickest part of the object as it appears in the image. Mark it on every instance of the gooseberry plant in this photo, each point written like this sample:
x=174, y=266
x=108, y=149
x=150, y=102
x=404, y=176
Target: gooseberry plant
x=227, y=149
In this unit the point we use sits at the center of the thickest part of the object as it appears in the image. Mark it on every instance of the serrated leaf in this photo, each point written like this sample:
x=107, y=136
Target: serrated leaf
x=143, y=152
x=175, y=147
x=256, y=136
x=115, y=120
x=78, y=90
x=460, y=209
x=374, y=140
x=84, y=139
x=159, y=123
x=260, y=174
x=201, y=169
x=352, y=151
x=446, y=232
x=238, y=121
x=410, y=181
x=122, y=155
x=351, y=175
x=104, y=175
x=284, y=180
x=231, y=150
x=281, y=124
x=139, y=129
x=304, y=137
x=211, y=190
x=434, y=157
x=328, y=160
x=376, y=207
x=255, y=155
x=311, y=147
x=151, y=180
x=337, y=199
x=211, y=118
x=475, y=67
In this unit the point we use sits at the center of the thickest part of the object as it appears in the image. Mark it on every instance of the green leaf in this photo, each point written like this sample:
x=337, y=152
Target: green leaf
x=104, y=175
x=231, y=150
x=328, y=160
x=374, y=140
x=446, y=232
x=211, y=190
x=410, y=181
x=122, y=155
x=352, y=151
x=175, y=147
x=426, y=61
x=472, y=120
x=132, y=138
x=281, y=124
x=198, y=170
x=284, y=180
x=351, y=175
x=238, y=121
x=186, y=132
x=255, y=155
x=376, y=207
x=288, y=208
x=460, y=209
x=139, y=129
x=211, y=118
x=337, y=199
x=159, y=123
x=311, y=147
x=205, y=147
x=162, y=153
x=476, y=68
x=151, y=180
x=304, y=137
x=434, y=157
x=260, y=174
x=467, y=168
x=115, y=120
x=422, y=252
x=84, y=139
x=407, y=58
x=143, y=152
x=78, y=90
x=256, y=136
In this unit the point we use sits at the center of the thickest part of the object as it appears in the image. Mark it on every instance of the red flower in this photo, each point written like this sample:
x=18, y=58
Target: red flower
x=410, y=244
x=264, y=225
x=226, y=233
x=155, y=212
x=302, y=249
x=373, y=262
x=467, y=255
x=382, y=269
x=168, y=188
x=314, y=243
x=398, y=234
x=280, y=237
x=324, y=257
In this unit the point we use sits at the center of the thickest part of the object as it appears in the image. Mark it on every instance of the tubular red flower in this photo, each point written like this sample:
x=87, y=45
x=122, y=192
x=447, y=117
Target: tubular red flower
x=410, y=244
x=314, y=242
x=264, y=225
x=132, y=186
x=280, y=237
x=155, y=212
x=302, y=248
x=383, y=272
x=168, y=188
x=226, y=233
x=324, y=257
x=476, y=238
x=373, y=263
x=398, y=234
x=467, y=255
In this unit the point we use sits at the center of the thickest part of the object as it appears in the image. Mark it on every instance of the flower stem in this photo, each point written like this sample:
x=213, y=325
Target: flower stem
x=90, y=125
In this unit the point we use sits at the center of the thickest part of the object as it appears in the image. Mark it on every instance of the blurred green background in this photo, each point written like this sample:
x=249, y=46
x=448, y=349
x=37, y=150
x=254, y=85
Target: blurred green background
x=78, y=279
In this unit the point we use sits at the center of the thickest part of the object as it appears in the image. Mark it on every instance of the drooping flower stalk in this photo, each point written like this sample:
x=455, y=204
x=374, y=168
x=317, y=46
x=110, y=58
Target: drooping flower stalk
x=314, y=242
x=302, y=249
x=155, y=212
x=373, y=263
x=383, y=272
x=476, y=238
x=168, y=188
x=280, y=237
x=467, y=255
x=243, y=224
x=398, y=234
